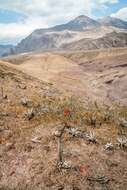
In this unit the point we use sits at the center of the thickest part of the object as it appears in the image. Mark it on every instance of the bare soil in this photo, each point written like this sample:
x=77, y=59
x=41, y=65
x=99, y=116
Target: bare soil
x=29, y=148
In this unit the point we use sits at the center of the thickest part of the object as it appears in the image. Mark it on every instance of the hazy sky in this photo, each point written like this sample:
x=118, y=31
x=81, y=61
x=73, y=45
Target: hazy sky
x=18, y=18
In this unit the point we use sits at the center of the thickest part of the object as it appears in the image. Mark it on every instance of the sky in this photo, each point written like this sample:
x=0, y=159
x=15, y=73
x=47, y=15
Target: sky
x=18, y=18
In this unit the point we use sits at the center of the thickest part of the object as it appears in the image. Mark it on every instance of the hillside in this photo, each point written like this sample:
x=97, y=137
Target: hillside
x=33, y=114
x=79, y=23
x=63, y=95
x=91, y=75
x=80, y=28
x=112, y=21
x=110, y=40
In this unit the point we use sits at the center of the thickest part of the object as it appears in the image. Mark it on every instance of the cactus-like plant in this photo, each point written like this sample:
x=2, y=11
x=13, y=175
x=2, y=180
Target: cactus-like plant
x=107, y=115
x=74, y=132
x=108, y=146
x=122, y=142
x=91, y=137
x=30, y=113
x=123, y=122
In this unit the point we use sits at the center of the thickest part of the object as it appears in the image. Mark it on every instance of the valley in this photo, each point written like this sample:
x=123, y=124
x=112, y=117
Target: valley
x=92, y=75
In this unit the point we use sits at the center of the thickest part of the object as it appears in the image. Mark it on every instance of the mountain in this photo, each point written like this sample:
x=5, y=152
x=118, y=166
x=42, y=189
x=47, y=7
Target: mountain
x=5, y=50
x=52, y=38
x=112, y=21
x=43, y=41
x=110, y=40
x=80, y=28
x=80, y=23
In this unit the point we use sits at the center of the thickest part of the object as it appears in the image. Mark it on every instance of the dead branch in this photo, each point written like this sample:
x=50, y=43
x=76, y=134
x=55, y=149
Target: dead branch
x=59, y=135
x=4, y=96
x=2, y=91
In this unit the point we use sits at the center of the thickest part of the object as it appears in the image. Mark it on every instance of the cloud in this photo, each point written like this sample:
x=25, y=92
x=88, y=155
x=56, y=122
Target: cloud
x=109, y=1
x=13, y=32
x=122, y=14
x=45, y=7
x=39, y=14
x=44, y=13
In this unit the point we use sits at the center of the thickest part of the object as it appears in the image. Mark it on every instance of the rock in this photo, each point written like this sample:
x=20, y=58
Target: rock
x=9, y=146
x=5, y=96
x=4, y=114
x=36, y=140
x=57, y=133
x=22, y=86
x=64, y=165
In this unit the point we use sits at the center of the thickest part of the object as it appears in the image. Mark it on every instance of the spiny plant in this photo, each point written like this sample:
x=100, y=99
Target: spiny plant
x=122, y=142
x=30, y=113
x=91, y=137
x=109, y=146
x=123, y=122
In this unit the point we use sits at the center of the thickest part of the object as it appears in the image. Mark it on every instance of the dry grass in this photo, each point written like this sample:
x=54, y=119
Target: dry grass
x=81, y=56
x=28, y=165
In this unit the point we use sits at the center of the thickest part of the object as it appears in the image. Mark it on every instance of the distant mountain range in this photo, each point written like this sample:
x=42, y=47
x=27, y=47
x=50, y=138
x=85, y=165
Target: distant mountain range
x=111, y=21
x=80, y=33
x=6, y=49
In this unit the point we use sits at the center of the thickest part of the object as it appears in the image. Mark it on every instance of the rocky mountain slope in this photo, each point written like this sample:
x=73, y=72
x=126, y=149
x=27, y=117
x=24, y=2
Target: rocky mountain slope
x=52, y=38
x=80, y=23
x=77, y=29
x=113, y=39
x=112, y=21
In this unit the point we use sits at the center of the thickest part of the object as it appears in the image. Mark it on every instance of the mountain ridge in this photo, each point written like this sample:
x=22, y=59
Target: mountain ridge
x=112, y=21
x=112, y=39
x=72, y=25
x=81, y=27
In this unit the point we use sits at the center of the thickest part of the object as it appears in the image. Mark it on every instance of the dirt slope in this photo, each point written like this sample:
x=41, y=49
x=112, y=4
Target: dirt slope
x=54, y=68
x=107, y=71
x=29, y=140
x=92, y=75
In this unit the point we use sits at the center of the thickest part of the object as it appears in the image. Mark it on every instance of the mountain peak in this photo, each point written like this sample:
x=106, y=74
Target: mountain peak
x=83, y=22
x=83, y=18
